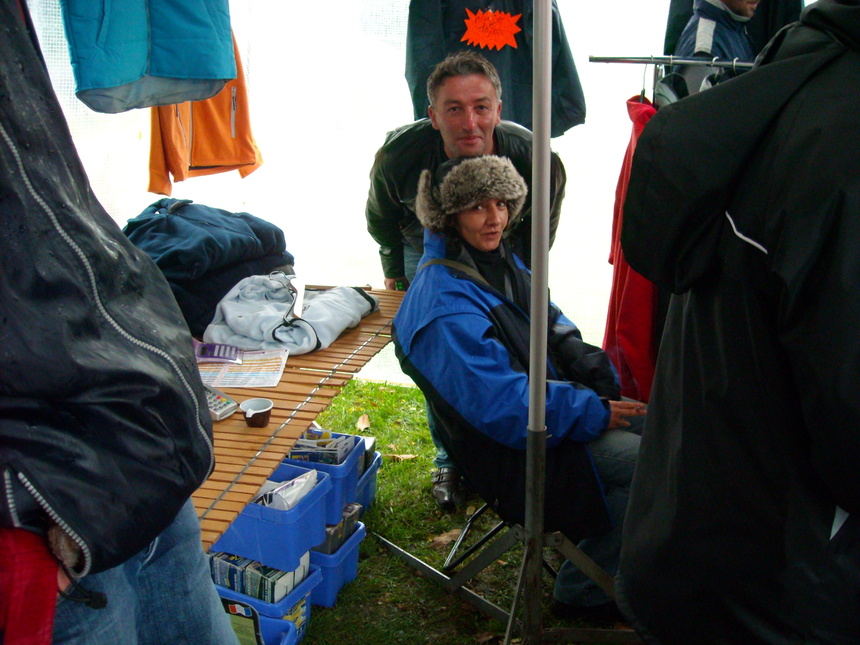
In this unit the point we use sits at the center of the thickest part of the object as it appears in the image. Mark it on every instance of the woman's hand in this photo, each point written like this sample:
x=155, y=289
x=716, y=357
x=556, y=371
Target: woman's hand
x=620, y=410
x=63, y=581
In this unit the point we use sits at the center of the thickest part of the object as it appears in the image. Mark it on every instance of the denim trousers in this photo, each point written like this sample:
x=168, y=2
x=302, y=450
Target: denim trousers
x=441, y=460
x=614, y=454
x=163, y=595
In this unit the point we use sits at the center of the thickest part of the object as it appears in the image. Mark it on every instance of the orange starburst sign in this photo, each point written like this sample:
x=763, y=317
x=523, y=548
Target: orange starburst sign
x=491, y=29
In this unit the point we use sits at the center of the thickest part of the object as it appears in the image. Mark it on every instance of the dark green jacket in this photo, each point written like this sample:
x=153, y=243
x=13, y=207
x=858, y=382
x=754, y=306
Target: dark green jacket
x=408, y=150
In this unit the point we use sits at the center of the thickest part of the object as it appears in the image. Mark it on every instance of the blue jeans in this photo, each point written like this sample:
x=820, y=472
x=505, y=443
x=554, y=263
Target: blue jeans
x=411, y=258
x=442, y=460
x=614, y=454
x=163, y=595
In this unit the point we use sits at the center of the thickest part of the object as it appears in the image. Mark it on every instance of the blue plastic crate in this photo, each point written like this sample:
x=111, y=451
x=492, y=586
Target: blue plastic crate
x=252, y=628
x=295, y=607
x=365, y=492
x=344, y=479
x=337, y=569
x=279, y=538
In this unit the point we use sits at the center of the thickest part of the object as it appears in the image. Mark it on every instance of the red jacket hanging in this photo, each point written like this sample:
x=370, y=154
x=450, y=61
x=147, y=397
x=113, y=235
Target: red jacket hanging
x=630, y=337
x=203, y=137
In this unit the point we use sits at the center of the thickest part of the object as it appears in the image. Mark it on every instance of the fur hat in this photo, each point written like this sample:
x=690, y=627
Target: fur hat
x=461, y=183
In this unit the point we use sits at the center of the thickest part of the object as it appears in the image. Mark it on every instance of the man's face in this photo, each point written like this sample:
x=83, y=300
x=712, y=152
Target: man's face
x=742, y=7
x=466, y=113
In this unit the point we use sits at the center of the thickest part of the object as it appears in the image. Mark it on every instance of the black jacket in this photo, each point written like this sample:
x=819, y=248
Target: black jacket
x=104, y=425
x=744, y=516
x=408, y=150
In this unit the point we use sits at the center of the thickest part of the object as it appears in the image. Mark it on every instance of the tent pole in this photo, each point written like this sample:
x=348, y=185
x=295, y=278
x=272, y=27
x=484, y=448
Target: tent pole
x=536, y=437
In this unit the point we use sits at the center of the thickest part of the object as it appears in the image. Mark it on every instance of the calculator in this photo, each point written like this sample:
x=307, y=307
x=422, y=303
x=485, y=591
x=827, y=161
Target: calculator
x=220, y=405
x=215, y=352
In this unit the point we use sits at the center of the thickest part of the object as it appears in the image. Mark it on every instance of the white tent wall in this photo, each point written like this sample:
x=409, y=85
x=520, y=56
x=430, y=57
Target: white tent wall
x=326, y=83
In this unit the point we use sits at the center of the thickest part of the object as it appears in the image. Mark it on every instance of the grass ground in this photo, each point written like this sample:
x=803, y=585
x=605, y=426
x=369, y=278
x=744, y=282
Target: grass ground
x=389, y=603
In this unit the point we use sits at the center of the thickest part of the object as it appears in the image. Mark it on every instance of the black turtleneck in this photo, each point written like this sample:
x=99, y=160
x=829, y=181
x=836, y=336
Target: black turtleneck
x=499, y=272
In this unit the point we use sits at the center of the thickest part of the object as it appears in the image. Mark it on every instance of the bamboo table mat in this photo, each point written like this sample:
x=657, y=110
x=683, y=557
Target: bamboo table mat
x=245, y=457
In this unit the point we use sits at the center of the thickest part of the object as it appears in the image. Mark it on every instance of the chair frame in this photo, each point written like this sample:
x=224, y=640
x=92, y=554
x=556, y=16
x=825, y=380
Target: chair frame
x=457, y=571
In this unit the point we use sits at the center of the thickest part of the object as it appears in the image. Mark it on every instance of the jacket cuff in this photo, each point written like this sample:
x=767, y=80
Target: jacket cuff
x=20, y=509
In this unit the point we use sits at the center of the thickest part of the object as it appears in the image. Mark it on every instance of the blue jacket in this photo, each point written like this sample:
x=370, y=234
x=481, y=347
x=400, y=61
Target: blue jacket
x=715, y=31
x=467, y=347
x=129, y=55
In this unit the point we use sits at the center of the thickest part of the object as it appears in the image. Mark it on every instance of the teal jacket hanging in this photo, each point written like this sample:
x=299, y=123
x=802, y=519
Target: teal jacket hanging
x=128, y=55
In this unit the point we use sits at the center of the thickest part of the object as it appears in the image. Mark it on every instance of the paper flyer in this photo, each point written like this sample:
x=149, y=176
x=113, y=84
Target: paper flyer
x=258, y=369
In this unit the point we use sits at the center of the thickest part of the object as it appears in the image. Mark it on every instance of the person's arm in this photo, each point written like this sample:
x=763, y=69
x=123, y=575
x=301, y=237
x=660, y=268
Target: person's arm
x=383, y=213
x=472, y=371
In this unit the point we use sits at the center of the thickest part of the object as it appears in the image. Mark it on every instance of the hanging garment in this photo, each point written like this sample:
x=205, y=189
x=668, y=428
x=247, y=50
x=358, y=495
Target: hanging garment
x=199, y=138
x=503, y=32
x=258, y=314
x=769, y=18
x=128, y=55
x=632, y=331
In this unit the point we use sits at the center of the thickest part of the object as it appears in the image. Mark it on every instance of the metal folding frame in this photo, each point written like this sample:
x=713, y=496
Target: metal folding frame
x=458, y=570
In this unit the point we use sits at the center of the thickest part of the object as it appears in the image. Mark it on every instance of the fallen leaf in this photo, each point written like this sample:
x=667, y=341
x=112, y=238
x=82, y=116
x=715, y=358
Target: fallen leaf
x=363, y=422
x=402, y=457
x=445, y=539
x=486, y=637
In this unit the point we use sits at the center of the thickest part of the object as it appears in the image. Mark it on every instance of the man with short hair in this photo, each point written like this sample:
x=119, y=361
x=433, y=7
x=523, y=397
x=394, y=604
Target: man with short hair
x=718, y=29
x=465, y=96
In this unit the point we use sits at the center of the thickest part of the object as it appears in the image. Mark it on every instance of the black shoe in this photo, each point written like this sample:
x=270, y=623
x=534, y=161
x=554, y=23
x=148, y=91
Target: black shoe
x=605, y=615
x=448, y=489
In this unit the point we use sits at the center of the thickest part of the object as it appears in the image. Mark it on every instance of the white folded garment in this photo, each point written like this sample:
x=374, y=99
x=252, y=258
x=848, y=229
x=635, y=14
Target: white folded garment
x=257, y=314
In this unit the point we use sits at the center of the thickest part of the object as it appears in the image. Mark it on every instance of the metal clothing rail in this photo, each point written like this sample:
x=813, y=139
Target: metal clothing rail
x=735, y=64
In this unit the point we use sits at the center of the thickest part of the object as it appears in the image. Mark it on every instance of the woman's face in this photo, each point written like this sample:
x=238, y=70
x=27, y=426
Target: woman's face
x=483, y=224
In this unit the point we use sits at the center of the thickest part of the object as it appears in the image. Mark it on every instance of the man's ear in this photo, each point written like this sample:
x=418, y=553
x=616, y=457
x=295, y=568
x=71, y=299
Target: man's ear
x=432, y=114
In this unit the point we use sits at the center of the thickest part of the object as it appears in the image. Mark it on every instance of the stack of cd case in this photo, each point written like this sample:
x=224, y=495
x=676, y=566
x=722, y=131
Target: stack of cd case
x=255, y=579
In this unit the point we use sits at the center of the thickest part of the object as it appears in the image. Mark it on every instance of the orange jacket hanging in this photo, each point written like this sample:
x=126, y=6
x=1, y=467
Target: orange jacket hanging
x=203, y=137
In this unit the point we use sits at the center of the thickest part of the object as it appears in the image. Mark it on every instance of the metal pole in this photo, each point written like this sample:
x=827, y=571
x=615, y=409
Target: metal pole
x=672, y=60
x=536, y=442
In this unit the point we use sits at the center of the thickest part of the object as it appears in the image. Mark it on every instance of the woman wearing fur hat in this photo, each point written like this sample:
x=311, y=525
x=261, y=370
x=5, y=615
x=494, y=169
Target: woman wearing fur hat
x=462, y=333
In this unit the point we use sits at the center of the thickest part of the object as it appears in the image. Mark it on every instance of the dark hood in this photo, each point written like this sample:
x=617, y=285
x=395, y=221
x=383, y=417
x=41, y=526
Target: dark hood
x=693, y=152
x=839, y=18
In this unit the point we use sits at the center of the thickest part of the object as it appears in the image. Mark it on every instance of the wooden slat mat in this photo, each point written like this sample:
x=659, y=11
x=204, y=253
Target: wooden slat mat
x=245, y=457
